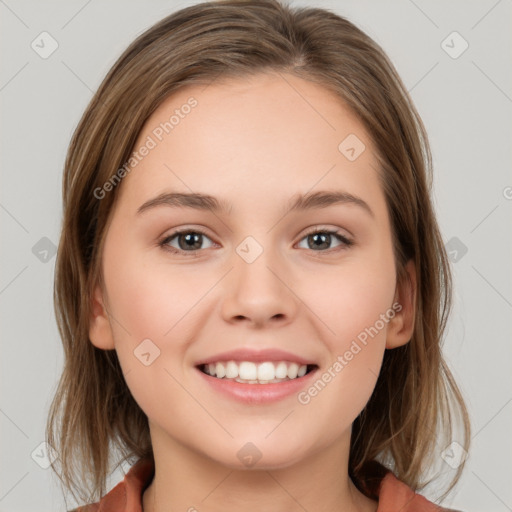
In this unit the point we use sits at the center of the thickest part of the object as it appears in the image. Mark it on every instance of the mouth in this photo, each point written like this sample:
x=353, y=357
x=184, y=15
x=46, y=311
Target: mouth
x=264, y=372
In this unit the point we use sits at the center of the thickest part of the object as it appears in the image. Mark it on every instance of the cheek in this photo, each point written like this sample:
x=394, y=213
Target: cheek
x=353, y=304
x=352, y=296
x=151, y=300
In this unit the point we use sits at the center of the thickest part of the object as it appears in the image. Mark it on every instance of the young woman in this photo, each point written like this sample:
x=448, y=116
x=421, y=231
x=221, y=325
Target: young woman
x=251, y=286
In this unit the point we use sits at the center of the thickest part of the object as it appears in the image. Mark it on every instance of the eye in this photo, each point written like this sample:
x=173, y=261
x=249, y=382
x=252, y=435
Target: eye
x=189, y=241
x=320, y=238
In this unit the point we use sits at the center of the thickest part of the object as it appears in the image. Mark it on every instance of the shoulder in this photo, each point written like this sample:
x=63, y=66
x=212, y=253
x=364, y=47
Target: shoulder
x=92, y=507
x=393, y=492
x=126, y=495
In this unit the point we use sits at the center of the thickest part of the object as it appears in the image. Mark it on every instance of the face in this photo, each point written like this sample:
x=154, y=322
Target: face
x=251, y=275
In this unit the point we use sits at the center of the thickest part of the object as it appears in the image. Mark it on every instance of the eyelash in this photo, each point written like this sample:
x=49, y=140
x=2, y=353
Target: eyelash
x=194, y=253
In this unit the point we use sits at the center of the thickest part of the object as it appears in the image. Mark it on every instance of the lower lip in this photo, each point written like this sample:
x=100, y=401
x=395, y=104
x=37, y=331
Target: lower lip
x=258, y=393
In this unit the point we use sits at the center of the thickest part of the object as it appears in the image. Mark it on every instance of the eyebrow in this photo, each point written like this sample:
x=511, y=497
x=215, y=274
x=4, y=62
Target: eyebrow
x=300, y=202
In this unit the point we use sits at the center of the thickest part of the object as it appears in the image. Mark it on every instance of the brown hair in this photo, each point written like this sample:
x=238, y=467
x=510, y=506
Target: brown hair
x=93, y=411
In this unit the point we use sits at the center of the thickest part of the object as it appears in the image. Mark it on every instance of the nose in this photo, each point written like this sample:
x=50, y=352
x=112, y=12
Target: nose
x=259, y=292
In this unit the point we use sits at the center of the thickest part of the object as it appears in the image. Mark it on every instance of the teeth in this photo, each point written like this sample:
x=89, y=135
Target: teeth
x=253, y=373
x=231, y=370
x=281, y=370
x=246, y=371
x=220, y=370
x=266, y=371
x=293, y=370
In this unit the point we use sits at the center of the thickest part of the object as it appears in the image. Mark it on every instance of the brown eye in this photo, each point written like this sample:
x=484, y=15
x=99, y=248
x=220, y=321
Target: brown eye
x=322, y=239
x=188, y=241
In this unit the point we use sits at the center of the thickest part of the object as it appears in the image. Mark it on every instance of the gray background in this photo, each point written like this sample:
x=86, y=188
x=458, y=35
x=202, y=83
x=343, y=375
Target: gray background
x=465, y=103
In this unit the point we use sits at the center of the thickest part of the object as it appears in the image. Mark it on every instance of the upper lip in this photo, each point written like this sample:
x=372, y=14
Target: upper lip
x=256, y=356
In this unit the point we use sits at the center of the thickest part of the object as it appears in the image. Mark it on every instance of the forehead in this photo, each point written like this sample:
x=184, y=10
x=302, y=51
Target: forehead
x=260, y=134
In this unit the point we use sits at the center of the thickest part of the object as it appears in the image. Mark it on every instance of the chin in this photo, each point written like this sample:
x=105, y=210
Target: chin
x=259, y=454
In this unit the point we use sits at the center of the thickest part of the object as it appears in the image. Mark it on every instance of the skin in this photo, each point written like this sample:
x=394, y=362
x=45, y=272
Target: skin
x=256, y=143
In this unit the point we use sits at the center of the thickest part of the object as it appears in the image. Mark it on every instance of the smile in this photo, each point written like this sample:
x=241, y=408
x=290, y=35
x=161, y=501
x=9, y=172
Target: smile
x=248, y=372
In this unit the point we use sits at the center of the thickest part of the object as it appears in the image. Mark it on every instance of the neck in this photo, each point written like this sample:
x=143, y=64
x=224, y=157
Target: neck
x=189, y=481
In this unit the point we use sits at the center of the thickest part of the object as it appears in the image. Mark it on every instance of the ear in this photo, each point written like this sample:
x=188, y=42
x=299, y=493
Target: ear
x=100, y=330
x=401, y=326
